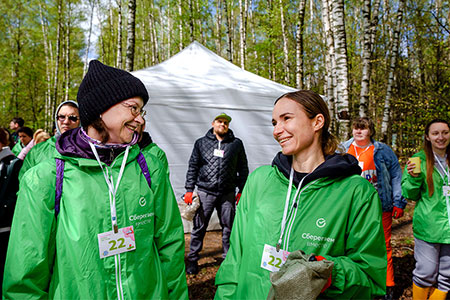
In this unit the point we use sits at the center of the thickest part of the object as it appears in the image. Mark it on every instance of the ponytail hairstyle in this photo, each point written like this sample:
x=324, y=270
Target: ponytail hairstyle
x=430, y=155
x=313, y=104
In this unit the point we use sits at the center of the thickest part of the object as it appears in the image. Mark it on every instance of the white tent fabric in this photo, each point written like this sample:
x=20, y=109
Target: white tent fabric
x=188, y=90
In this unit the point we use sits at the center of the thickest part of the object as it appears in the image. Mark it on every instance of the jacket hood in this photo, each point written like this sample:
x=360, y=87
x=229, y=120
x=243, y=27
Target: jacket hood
x=228, y=137
x=145, y=140
x=335, y=165
x=58, y=131
x=73, y=143
x=4, y=152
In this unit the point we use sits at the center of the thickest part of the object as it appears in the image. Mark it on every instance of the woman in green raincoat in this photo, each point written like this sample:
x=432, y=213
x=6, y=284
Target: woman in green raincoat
x=309, y=199
x=426, y=180
x=100, y=221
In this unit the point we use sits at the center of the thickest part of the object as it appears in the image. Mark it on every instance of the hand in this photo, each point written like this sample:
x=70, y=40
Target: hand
x=188, y=198
x=238, y=197
x=410, y=168
x=397, y=212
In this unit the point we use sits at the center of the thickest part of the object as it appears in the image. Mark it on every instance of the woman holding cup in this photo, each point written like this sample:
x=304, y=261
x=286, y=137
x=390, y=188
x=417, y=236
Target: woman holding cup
x=426, y=179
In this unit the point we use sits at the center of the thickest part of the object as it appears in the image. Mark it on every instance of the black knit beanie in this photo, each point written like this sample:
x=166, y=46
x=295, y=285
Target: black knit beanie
x=104, y=86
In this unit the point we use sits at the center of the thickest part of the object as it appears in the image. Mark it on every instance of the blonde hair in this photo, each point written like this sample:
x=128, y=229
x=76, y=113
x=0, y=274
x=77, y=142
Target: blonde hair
x=40, y=136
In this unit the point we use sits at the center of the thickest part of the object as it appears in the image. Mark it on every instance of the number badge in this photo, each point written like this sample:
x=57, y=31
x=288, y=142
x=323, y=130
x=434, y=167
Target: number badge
x=110, y=243
x=272, y=259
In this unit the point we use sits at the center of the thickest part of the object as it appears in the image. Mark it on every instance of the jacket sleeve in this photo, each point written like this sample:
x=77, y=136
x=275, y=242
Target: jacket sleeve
x=395, y=173
x=193, y=168
x=361, y=272
x=412, y=187
x=31, y=246
x=242, y=167
x=169, y=236
x=227, y=275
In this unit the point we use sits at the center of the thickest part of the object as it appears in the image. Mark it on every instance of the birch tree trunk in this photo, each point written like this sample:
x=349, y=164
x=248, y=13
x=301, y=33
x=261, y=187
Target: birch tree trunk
x=119, y=34
x=330, y=62
x=191, y=20
x=180, y=26
x=169, y=30
x=299, y=44
x=242, y=30
x=366, y=57
x=392, y=63
x=58, y=52
x=218, y=27
x=152, y=37
x=48, y=116
x=67, y=61
x=228, y=32
x=111, y=32
x=86, y=55
x=340, y=44
x=285, y=44
x=131, y=35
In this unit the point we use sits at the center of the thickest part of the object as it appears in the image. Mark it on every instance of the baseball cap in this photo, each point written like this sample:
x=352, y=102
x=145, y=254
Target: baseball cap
x=223, y=116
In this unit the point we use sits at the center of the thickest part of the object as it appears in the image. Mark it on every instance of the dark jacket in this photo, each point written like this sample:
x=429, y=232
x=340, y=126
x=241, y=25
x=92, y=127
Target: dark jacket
x=8, y=186
x=213, y=174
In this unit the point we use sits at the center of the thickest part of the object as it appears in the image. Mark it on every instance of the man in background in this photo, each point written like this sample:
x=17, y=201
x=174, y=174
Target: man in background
x=218, y=165
x=14, y=125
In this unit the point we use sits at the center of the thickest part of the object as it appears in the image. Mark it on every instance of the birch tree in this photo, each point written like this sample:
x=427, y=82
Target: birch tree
x=131, y=35
x=366, y=55
x=119, y=34
x=228, y=31
x=340, y=44
x=242, y=30
x=392, y=63
x=369, y=28
x=91, y=17
x=330, y=61
x=57, y=58
x=285, y=44
x=299, y=44
x=47, y=106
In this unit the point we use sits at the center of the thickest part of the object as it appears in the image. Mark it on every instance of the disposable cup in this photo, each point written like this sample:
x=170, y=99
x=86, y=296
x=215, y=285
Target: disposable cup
x=416, y=160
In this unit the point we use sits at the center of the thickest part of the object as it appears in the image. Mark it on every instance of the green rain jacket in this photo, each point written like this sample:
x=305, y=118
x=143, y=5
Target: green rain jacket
x=58, y=258
x=17, y=148
x=338, y=218
x=37, y=154
x=431, y=221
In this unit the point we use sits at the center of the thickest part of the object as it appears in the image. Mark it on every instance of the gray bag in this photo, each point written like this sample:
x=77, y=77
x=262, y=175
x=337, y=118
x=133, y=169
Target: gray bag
x=299, y=278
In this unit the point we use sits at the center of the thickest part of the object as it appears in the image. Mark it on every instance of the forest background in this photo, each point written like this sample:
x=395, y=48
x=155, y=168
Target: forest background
x=388, y=60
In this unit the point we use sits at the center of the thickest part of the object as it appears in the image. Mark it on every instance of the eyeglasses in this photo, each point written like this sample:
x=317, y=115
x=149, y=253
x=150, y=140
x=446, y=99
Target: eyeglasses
x=135, y=111
x=72, y=118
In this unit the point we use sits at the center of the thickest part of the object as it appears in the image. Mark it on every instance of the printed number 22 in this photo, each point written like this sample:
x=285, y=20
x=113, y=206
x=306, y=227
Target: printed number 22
x=272, y=259
x=113, y=243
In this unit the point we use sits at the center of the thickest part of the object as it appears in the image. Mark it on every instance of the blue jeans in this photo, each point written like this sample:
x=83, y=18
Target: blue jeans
x=226, y=209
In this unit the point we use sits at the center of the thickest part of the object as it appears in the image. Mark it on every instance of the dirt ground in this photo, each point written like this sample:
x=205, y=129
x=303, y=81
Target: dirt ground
x=201, y=286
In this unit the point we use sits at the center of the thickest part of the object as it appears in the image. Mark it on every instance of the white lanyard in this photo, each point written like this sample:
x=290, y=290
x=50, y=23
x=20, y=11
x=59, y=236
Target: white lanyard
x=446, y=171
x=356, y=152
x=286, y=206
x=110, y=183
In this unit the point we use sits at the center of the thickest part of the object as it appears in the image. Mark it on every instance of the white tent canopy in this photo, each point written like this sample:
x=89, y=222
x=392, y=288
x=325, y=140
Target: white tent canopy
x=188, y=90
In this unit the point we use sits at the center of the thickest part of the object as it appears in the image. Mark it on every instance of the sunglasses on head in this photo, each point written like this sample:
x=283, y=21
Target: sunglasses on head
x=71, y=118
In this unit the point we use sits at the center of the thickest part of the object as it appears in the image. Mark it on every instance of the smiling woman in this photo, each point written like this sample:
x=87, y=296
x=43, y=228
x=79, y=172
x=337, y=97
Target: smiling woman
x=427, y=181
x=109, y=225
x=312, y=200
